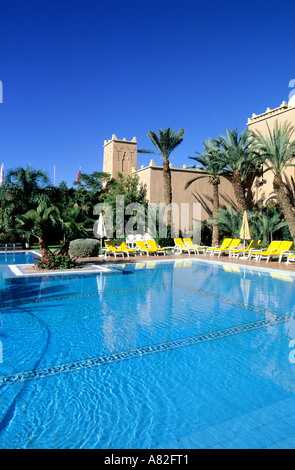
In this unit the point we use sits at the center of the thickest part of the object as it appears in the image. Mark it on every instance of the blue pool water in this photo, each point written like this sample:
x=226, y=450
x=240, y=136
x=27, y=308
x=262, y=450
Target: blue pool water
x=173, y=355
x=17, y=258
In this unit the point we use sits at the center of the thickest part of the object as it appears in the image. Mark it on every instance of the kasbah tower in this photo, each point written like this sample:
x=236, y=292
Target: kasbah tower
x=121, y=156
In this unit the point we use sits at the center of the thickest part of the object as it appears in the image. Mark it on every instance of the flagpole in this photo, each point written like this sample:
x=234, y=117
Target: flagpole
x=53, y=175
x=2, y=174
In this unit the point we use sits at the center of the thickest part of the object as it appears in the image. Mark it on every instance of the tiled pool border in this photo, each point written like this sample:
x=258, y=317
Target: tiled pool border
x=19, y=271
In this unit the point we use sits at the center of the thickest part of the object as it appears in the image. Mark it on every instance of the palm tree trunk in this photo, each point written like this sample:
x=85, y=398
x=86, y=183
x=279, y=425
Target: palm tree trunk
x=239, y=190
x=65, y=248
x=285, y=204
x=44, y=249
x=215, y=231
x=167, y=189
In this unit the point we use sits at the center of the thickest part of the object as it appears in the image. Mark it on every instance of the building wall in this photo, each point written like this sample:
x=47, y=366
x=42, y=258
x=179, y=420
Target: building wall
x=199, y=192
x=263, y=187
x=119, y=155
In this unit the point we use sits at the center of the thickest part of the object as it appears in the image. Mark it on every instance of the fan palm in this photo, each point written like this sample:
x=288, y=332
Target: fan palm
x=240, y=162
x=262, y=224
x=37, y=223
x=228, y=221
x=213, y=163
x=165, y=143
x=277, y=150
x=22, y=189
x=73, y=223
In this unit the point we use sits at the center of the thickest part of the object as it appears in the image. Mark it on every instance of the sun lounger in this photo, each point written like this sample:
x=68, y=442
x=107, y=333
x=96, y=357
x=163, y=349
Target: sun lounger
x=279, y=250
x=253, y=245
x=147, y=250
x=290, y=258
x=132, y=251
x=182, y=248
x=284, y=250
x=271, y=250
x=153, y=245
x=188, y=242
x=233, y=245
x=112, y=249
x=223, y=246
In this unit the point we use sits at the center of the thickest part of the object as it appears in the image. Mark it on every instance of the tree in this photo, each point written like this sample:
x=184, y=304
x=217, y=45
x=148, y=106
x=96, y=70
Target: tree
x=88, y=189
x=277, y=149
x=38, y=223
x=22, y=190
x=213, y=164
x=165, y=143
x=228, y=221
x=127, y=186
x=264, y=223
x=240, y=162
x=24, y=187
x=73, y=223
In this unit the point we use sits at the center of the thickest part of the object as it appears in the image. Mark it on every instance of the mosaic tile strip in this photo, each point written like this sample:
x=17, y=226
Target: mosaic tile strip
x=201, y=292
x=226, y=300
x=83, y=296
x=135, y=353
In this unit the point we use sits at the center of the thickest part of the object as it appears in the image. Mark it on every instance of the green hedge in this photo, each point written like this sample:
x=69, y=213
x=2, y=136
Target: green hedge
x=84, y=247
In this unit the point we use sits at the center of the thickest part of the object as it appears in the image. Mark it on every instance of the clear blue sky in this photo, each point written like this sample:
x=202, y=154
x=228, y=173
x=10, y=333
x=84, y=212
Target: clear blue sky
x=76, y=71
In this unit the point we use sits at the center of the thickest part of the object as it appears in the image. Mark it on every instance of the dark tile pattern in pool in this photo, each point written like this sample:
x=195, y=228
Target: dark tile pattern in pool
x=108, y=359
x=81, y=296
x=194, y=290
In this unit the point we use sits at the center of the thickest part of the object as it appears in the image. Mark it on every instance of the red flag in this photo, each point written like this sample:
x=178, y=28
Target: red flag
x=78, y=179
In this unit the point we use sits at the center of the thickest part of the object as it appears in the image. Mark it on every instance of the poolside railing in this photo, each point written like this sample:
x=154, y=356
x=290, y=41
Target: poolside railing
x=10, y=247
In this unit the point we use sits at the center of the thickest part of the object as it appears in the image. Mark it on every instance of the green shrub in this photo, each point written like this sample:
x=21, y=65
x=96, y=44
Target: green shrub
x=84, y=247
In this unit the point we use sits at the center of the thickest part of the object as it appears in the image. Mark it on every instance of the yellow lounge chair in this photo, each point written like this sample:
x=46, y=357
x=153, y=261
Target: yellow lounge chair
x=225, y=244
x=233, y=245
x=272, y=248
x=112, y=249
x=152, y=244
x=253, y=245
x=290, y=258
x=144, y=249
x=132, y=251
x=181, y=247
x=284, y=250
x=189, y=243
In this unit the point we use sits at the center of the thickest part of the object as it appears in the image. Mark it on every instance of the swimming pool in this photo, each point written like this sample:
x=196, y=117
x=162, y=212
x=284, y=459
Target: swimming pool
x=17, y=258
x=164, y=355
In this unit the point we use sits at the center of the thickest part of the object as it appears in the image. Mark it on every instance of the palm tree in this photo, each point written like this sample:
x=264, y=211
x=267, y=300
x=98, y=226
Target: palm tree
x=165, y=143
x=240, y=162
x=73, y=223
x=228, y=221
x=277, y=150
x=213, y=164
x=24, y=186
x=262, y=224
x=37, y=223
